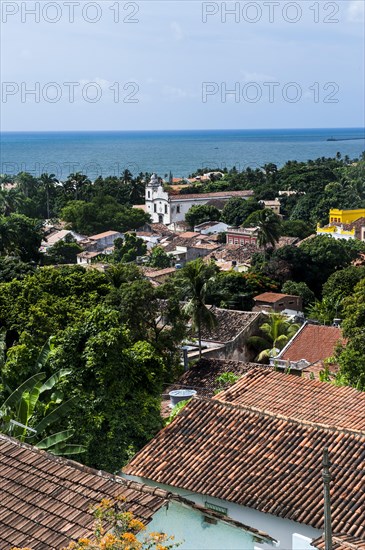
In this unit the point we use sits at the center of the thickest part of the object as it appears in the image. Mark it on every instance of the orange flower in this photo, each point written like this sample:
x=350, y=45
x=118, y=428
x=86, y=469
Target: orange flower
x=129, y=537
x=136, y=525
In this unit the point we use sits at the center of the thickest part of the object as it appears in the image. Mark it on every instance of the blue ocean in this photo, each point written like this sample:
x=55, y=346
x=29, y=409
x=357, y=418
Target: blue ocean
x=180, y=151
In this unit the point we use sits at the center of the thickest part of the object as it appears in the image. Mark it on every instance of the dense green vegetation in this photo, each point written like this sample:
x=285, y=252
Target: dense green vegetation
x=116, y=335
x=106, y=334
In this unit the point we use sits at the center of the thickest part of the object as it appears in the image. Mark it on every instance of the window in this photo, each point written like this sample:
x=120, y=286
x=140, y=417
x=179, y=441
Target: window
x=236, y=241
x=178, y=209
x=165, y=208
x=149, y=194
x=155, y=208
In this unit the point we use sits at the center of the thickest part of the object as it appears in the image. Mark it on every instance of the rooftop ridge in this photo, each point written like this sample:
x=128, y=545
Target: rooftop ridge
x=87, y=469
x=279, y=416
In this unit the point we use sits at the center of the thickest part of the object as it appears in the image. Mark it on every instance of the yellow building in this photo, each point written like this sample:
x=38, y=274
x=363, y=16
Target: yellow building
x=336, y=232
x=346, y=216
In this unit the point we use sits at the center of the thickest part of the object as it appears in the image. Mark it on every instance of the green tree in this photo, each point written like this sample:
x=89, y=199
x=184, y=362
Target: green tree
x=277, y=332
x=20, y=236
x=198, y=214
x=341, y=284
x=351, y=357
x=127, y=249
x=13, y=268
x=159, y=258
x=194, y=278
x=325, y=256
x=48, y=182
x=63, y=252
x=296, y=228
x=10, y=201
x=299, y=289
x=116, y=384
x=102, y=213
x=237, y=210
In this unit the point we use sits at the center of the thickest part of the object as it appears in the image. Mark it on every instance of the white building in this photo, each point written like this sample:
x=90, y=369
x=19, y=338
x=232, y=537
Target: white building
x=167, y=208
x=211, y=228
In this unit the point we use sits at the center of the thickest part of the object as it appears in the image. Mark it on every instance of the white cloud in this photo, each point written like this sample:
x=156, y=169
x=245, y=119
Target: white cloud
x=177, y=31
x=356, y=11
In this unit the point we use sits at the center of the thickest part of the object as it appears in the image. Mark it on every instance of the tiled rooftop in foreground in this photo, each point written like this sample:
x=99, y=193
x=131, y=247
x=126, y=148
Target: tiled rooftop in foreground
x=260, y=460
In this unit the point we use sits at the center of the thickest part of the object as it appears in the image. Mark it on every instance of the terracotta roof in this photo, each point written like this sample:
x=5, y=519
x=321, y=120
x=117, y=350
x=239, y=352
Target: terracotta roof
x=153, y=273
x=216, y=195
x=88, y=255
x=234, y=252
x=340, y=542
x=202, y=376
x=260, y=460
x=312, y=343
x=230, y=324
x=45, y=500
x=189, y=235
x=272, y=297
x=314, y=370
x=286, y=241
x=103, y=235
x=299, y=398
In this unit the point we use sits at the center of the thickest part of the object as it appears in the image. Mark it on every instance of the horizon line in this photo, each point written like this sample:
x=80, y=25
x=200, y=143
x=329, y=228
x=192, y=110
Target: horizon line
x=191, y=129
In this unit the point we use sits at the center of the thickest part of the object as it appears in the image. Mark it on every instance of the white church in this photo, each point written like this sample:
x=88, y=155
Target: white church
x=168, y=208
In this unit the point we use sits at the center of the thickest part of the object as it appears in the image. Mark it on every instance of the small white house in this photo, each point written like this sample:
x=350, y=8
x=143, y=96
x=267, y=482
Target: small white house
x=211, y=228
x=105, y=240
x=58, y=236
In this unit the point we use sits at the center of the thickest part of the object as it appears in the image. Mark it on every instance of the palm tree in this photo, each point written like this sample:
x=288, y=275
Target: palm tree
x=278, y=331
x=269, y=226
x=10, y=201
x=194, y=278
x=48, y=182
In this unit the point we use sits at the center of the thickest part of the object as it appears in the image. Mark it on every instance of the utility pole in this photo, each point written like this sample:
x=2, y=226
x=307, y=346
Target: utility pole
x=326, y=476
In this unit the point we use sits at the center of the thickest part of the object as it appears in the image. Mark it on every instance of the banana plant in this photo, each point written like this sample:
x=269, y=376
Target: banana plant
x=18, y=413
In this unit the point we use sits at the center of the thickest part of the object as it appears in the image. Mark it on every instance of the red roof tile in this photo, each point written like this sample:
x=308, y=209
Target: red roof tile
x=260, y=460
x=215, y=195
x=312, y=343
x=299, y=398
x=271, y=297
x=45, y=500
x=340, y=542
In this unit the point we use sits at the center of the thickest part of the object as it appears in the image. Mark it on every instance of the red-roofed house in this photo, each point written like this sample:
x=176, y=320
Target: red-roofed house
x=274, y=301
x=312, y=343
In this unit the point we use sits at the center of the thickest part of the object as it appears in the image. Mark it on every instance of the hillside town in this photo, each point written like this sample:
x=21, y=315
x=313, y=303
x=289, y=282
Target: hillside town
x=183, y=359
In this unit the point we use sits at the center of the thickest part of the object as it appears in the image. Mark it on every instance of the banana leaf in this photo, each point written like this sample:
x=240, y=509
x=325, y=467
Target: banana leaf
x=27, y=385
x=54, y=439
x=64, y=450
x=54, y=379
x=55, y=415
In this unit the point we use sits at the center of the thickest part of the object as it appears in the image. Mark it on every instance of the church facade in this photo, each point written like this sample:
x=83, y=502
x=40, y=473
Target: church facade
x=168, y=208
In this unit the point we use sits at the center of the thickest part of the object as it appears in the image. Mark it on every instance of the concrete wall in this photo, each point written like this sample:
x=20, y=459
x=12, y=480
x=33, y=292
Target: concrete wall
x=237, y=349
x=188, y=525
x=283, y=530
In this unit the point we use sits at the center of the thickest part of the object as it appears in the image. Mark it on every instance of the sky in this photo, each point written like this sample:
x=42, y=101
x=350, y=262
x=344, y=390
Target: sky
x=184, y=64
